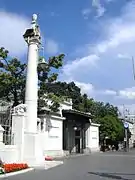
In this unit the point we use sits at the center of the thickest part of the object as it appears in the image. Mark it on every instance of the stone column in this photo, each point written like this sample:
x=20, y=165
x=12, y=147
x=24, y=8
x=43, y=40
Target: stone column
x=32, y=37
x=33, y=152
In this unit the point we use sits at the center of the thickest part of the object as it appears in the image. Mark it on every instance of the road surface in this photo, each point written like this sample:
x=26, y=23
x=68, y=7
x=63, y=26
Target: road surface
x=99, y=166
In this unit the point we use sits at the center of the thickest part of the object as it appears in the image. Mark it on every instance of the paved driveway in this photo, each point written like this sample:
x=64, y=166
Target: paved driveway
x=108, y=166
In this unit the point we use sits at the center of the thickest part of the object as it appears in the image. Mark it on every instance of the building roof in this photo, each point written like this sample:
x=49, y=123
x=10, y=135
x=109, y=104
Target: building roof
x=44, y=110
x=76, y=112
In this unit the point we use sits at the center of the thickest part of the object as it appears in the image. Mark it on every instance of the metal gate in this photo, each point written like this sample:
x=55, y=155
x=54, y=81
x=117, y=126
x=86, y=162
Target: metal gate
x=6, y=123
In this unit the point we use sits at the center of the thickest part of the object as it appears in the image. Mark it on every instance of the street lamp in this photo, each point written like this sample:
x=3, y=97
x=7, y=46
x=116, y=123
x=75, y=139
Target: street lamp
x=42, y=62
x=75, y=128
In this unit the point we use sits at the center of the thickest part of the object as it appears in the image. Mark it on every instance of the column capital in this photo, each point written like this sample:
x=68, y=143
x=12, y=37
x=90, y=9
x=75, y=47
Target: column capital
x=32, y=35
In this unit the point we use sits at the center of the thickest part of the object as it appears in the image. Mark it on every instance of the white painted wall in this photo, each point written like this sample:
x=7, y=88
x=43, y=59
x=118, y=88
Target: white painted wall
x=55, y=135
x=131, y=128
x=18, y=128
x=9, y=154
x=33, y=151
x=52, y=135
x=92, y=140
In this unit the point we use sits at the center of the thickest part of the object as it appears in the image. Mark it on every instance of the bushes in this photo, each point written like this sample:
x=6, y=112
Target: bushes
x=14, y=167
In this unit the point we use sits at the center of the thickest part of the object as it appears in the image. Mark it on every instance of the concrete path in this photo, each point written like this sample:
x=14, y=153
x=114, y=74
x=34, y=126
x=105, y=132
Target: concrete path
x=105, y=166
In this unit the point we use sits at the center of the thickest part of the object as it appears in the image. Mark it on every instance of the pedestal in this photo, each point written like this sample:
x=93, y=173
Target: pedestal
x=33, y=151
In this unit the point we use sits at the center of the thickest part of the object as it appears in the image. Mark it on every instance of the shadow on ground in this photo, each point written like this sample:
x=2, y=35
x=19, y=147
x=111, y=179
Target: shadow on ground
x=116, y=176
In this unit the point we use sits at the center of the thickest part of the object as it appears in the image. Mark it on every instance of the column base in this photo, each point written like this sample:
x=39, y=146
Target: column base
x=33, y=150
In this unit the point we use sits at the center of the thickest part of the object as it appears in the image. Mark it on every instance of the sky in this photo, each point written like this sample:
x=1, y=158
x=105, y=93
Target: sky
x=97, y=37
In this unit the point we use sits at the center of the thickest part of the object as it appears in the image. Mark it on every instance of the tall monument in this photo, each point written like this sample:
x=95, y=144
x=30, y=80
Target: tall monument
x=33, y=39
x=32, y=144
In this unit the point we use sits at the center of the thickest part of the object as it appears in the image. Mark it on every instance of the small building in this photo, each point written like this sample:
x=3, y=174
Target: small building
x=68, y=131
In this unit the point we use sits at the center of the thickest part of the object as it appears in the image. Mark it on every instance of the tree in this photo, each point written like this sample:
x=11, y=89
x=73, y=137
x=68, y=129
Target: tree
x=64, y=90
x=48, y=75
x=12, y=78
x=99, y=109
x=104, y=114
x=111, y=127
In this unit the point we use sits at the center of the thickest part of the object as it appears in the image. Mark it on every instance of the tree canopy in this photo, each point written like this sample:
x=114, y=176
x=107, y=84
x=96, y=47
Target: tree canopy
x=13, y=76
x=104, y=113
x=12, y=89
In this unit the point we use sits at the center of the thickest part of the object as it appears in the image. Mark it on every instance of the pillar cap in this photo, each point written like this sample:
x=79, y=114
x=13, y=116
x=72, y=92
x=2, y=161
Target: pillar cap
x=32, y=35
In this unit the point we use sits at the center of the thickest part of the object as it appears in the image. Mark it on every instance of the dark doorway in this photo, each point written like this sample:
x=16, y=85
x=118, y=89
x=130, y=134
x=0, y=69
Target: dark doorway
x=74, y=128
x=77, y=133
x=77, y=145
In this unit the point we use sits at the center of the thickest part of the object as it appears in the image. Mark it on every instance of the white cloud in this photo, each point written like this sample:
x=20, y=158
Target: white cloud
x=119, y=34
x=119, y=38
x=128, y=93
x=51, y=46
x=52, y=14
x=123, y=56
x=86, y=12
x=96, y=4
x=90, y=90
x=108, y=1
x=85, y=87
x=118, y=41
x=12, y=29
x=78, y=65
x=110, y=92
x=99, y=8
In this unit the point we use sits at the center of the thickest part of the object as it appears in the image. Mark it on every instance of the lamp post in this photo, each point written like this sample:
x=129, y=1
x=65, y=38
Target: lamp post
x=126, y=135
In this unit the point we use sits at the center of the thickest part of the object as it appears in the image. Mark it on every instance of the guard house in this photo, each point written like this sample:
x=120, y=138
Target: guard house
x=80, y=135
x=75, y=129
x=68, y=131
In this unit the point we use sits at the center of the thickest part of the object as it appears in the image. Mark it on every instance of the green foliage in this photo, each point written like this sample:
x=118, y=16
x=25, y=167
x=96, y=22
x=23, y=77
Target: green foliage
x=104, y=114
x=12, y=78
x=46, y=75
x=111, y=127
x=12, y=88
x=55, y=101
x=62, y=89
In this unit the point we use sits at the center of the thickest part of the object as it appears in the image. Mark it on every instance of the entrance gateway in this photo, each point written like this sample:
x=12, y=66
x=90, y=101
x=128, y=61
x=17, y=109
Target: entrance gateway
x=74, y=131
